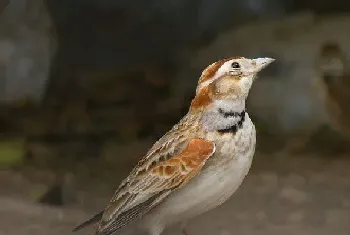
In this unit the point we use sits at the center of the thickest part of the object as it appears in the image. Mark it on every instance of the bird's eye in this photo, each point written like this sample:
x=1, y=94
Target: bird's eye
x=235, y=65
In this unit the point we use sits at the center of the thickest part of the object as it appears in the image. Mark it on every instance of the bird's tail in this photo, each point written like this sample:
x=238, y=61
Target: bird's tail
x=92, y=220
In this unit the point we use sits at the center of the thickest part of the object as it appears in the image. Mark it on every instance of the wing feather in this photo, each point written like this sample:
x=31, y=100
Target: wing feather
x=147, y=188
x=134, y=213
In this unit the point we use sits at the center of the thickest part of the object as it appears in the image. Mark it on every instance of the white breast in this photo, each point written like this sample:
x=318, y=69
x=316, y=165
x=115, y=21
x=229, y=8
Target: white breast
x=219, y=179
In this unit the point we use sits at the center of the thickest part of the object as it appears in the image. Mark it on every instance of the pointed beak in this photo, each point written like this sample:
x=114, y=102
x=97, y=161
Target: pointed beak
x=261, y=63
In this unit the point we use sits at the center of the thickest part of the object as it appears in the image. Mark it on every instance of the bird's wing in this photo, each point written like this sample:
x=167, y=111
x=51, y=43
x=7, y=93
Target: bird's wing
x=158, y=174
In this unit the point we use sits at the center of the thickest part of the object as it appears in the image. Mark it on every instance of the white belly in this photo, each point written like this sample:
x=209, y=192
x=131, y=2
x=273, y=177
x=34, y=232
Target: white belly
x=219, y=179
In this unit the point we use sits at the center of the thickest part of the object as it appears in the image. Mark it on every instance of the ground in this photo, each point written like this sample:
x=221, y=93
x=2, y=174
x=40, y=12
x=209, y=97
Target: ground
x=299, y=195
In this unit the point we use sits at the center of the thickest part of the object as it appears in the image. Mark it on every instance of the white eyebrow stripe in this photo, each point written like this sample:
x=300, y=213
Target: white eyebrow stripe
x=221, y=71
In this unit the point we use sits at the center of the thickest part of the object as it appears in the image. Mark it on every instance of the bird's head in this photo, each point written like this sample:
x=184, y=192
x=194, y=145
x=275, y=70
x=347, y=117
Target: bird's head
x=227, y=79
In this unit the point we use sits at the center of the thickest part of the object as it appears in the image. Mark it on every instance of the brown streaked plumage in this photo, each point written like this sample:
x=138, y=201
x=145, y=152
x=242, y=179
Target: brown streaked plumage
x=202, y=99
x=184, y=166
x=198, y=164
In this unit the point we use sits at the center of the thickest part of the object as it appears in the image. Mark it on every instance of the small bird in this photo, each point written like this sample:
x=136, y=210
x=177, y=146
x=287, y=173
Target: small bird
x=334, y=82
x=198, y=164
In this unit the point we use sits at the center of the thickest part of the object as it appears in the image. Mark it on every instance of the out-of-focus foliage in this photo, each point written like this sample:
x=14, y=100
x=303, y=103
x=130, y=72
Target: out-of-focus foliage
x=11, y=153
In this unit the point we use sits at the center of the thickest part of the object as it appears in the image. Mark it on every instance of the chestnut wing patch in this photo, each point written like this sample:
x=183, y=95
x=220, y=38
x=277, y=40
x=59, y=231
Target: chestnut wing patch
x=150, y=188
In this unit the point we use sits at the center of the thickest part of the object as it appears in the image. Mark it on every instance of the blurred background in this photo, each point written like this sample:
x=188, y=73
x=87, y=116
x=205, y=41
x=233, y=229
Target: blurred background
x=86, y=87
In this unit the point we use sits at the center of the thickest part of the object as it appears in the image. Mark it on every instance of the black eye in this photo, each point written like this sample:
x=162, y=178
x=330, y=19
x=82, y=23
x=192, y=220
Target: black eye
x=235, y=65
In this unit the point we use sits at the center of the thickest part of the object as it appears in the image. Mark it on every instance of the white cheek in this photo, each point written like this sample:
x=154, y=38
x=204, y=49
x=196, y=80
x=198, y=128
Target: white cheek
x=246, y=83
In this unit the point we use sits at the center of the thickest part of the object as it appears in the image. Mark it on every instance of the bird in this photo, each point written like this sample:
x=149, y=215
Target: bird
x=334, y=86
x=198, y=164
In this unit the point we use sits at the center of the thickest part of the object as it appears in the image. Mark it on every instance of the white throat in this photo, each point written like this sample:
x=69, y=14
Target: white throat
x=223, y=114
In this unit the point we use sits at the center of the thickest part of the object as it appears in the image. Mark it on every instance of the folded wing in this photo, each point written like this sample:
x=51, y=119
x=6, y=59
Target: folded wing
x=153, y=182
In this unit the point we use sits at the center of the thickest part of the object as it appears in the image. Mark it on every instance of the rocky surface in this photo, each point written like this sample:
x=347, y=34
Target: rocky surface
x=27, y=45
x=300, y=195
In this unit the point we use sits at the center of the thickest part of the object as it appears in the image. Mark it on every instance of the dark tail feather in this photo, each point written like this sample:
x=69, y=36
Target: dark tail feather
x=94, y=219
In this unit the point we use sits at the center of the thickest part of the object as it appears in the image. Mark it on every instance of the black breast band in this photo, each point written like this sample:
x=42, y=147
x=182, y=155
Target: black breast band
x=234, y=128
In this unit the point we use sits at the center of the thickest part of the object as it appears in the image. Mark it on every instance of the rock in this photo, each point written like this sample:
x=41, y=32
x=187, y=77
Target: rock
x=26, y=48
x=53, y=196
x=37, y=191
x=61, y=193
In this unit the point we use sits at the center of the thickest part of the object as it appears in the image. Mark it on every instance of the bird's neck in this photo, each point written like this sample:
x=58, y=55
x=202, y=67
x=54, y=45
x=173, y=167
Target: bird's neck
x=225, y=116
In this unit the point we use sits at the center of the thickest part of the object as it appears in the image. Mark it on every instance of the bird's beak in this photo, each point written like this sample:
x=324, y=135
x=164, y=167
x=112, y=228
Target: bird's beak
x=261, y=63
